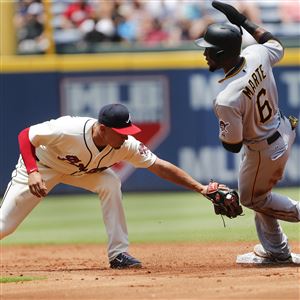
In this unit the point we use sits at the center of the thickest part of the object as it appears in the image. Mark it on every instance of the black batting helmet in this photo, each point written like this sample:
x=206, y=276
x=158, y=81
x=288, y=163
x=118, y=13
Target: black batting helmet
x=224, y=38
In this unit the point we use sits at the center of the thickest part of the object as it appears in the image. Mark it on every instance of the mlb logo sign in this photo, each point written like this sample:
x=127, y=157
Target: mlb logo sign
x=147, y=98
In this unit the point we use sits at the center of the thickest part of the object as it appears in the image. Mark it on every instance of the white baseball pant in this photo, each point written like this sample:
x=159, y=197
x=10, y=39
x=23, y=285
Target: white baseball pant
x=18, y=201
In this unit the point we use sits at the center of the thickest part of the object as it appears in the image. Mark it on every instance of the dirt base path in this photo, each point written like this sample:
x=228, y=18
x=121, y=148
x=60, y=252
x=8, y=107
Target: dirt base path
x=170, y=271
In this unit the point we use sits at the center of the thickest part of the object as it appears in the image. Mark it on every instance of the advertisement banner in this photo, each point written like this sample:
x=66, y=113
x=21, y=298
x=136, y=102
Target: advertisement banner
x=147, y=98
x=172, y=106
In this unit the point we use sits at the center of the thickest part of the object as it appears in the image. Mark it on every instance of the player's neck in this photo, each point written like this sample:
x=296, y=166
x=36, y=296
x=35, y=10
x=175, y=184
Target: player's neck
x=232, y=65
x=97, y=137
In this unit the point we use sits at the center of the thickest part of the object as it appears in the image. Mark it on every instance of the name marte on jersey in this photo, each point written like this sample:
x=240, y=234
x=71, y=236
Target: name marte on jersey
x=257, y=77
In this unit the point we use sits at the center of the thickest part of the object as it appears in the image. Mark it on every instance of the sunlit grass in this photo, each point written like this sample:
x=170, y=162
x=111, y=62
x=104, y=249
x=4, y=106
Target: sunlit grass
x=151, y=217
x=19, y=278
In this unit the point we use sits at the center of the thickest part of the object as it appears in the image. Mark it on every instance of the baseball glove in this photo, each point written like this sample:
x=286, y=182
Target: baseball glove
x=226, y=201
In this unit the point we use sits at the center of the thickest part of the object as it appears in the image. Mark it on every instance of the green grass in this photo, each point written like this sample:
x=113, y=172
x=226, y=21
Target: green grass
x=151, y=217
x=19, y=278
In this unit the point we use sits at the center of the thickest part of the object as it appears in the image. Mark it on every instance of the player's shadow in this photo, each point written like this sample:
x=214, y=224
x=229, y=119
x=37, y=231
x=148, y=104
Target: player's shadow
x=271, y=266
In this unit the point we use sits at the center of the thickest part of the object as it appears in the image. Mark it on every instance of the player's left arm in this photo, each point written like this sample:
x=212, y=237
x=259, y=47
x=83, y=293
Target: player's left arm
x=230, y=128
x=224, y=199
x=172, y=173
x=260, y=34
x=141, y=157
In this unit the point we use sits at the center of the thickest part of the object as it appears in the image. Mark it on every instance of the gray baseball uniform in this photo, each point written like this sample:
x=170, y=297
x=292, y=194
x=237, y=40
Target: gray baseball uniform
x=247, y=109
x=67, y=154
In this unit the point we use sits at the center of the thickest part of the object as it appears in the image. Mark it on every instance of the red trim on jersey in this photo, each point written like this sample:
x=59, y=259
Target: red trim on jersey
x=27, y=151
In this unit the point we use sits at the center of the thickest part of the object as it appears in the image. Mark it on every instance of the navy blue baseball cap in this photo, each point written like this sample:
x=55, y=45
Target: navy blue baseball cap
x=117, y=117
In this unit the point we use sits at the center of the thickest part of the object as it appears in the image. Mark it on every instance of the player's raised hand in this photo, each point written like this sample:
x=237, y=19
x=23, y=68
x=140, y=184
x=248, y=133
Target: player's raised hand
x=232, y=14
x=37, y=185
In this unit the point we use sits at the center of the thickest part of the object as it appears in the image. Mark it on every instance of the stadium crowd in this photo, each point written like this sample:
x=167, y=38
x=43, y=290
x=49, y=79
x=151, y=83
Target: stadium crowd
x=143, y=23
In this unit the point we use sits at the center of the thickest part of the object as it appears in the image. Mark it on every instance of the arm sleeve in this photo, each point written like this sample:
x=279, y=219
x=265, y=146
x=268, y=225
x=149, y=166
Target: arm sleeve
x=139, y=155
x=230, y=124
x=235, y=148
x=275, y=51
x=27, y=151
x=49, y=132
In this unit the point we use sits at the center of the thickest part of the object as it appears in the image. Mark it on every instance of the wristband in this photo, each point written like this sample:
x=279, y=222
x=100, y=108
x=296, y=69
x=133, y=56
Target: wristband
x=266, y=37
x=32, y=170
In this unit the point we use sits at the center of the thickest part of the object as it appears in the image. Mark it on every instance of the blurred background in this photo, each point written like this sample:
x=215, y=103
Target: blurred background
x=71, y=57
x=80, y=26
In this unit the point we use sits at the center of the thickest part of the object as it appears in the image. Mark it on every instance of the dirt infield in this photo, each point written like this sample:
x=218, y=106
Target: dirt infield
x=170, y=271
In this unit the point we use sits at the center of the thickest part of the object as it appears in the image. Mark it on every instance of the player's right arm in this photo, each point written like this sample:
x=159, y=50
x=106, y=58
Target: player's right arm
x=36, y=183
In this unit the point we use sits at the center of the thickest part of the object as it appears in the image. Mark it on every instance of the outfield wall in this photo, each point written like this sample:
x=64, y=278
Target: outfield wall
x=169, y=93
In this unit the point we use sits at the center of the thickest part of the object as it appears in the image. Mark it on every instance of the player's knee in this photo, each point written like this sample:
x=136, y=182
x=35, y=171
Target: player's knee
x=245, y=202
x=256, y=201
x=245, y=199
x=6, y=229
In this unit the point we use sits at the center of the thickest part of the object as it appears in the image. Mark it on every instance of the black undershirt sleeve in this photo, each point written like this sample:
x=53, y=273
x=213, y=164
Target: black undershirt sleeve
x=266, y=37
x=235, y=148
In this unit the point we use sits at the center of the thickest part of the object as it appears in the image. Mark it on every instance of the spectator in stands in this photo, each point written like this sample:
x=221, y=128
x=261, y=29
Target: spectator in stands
x=21, y=12
x=152, y=33
x=133, y=15
x=31, y=33
x=76, y=13
x=148, y=22
x=100, y=26
x=194, y=19
x=97, y=30
x=290, y=11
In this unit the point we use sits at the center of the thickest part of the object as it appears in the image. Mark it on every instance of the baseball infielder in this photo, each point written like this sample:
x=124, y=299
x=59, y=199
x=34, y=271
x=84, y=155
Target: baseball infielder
x=248, y=114
x=79, y=151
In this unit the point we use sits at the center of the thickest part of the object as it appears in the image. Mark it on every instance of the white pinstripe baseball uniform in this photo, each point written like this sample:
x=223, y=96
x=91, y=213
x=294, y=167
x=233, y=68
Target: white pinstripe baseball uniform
x=67, y=154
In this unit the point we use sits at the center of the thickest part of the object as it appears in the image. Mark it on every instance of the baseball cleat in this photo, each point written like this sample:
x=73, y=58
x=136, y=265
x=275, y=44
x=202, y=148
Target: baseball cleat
x=261, y=252
x=252, y=259
x=125, y=261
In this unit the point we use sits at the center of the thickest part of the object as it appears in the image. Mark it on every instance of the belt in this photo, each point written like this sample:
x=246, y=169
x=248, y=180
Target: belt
x=274, y=137
x=258, y=146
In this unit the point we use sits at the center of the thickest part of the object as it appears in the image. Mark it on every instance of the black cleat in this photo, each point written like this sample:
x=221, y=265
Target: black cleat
x=125, y=261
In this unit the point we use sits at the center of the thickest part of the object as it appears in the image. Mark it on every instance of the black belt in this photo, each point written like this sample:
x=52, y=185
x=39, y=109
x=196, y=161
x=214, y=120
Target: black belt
x=274, y=137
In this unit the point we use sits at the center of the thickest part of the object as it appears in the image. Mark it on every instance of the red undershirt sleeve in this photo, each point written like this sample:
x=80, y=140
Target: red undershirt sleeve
x=27, y=151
